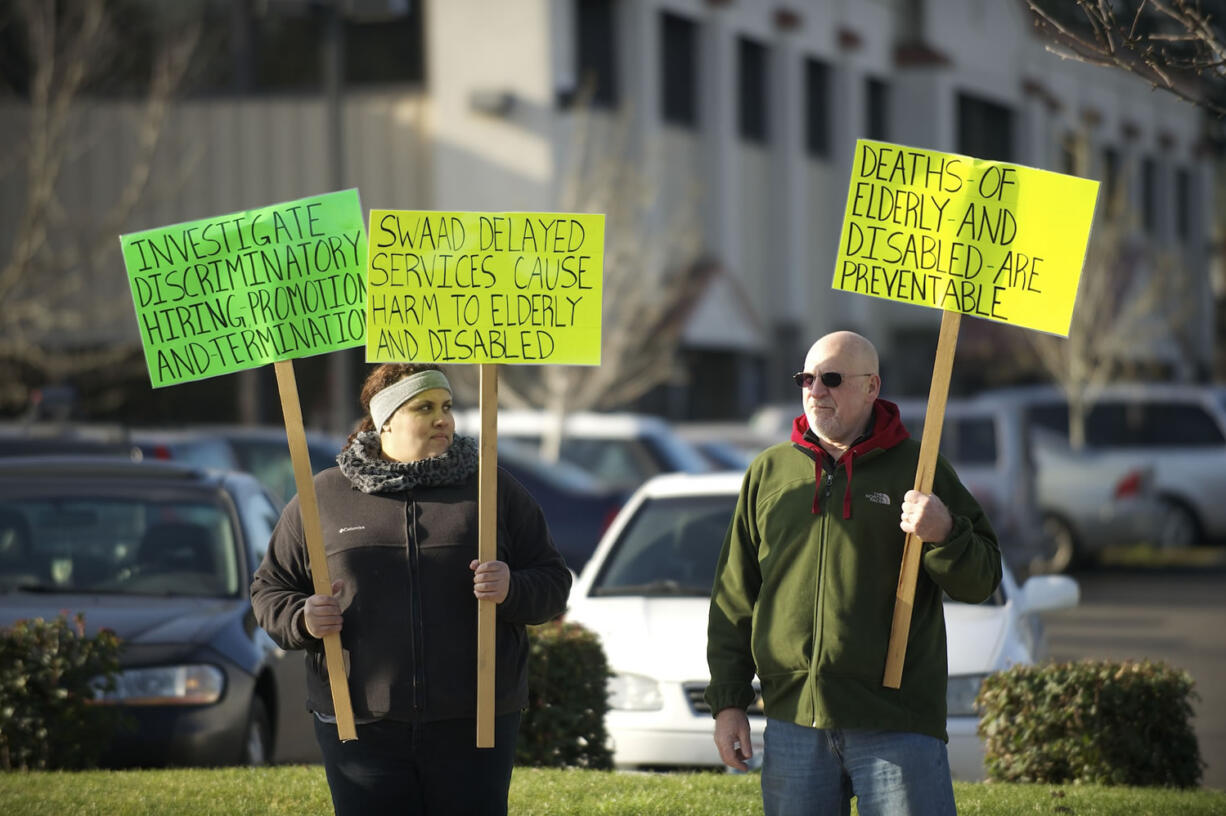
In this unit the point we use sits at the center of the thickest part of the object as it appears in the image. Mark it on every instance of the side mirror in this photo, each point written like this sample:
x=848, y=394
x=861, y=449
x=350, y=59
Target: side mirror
x=1045, y=593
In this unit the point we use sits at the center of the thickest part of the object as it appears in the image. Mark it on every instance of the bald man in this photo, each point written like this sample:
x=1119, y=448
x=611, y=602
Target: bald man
x=804, y=597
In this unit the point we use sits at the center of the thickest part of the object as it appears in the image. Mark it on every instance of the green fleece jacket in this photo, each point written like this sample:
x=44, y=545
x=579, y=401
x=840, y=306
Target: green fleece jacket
x=805, y=585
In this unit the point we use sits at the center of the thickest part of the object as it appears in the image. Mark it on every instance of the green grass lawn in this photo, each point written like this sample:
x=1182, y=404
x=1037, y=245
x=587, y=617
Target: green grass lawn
x=301, y=790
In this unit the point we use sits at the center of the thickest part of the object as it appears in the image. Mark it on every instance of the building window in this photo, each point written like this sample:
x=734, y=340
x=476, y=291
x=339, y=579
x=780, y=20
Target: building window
x=1183, y=204
x=1149, y=210
x=985, y=129
x=1068, y=154
x=877, y=119
x=678, y=70
x=754, y=90
x=384, y=51
x=596, y=52
x=817, y=108
x=1111, y=181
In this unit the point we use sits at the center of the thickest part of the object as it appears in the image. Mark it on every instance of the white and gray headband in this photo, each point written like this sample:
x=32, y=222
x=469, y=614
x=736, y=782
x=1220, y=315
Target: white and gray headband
x=385, y=403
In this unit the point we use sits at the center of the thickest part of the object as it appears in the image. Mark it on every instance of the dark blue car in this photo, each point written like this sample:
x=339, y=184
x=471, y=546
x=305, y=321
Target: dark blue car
x=162, y=555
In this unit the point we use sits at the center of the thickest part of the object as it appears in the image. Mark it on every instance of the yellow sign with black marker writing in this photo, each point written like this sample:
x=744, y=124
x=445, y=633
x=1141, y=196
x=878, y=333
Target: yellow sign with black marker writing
x=989, y=239
x=484, y=287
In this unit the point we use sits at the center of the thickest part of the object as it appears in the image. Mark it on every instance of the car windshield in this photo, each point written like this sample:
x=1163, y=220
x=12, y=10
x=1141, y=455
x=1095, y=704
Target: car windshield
x=669, y=548
x=117, y=545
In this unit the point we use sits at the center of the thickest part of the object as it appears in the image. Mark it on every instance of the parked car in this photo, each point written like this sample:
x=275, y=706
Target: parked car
x=994, y=463
x=1056, y=507
x=161, y=554
x=577, y=506
x=725, y=445
x=57, y=438
x=1052, y=507
x=622, y=450
x=1090, y=503
x=646, y=592
x=1177, y=430
x=261, y=451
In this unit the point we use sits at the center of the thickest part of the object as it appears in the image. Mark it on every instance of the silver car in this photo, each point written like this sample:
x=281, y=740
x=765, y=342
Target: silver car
x=1176, y=431
x=1061, y=507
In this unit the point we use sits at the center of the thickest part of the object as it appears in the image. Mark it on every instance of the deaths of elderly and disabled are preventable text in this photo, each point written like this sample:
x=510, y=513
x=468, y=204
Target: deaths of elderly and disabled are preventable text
x=898, y=242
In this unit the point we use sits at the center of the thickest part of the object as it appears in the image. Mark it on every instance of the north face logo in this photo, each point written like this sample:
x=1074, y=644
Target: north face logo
x=877, y=498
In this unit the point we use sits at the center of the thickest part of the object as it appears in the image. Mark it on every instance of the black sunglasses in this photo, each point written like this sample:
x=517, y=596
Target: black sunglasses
x=830, y=379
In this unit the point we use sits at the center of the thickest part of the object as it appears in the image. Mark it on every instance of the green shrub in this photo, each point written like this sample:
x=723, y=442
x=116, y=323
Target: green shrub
x=1097, y=721
x=46, y=717
x=567, y=700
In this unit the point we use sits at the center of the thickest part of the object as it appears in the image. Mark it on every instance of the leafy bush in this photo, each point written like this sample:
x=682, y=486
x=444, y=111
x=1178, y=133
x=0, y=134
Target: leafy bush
x=1099, y=721
x=567, y=701
x=46, y=716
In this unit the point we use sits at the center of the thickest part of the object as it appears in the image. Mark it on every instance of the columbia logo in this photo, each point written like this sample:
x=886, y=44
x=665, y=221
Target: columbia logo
x=351, y=529
x=879, y=498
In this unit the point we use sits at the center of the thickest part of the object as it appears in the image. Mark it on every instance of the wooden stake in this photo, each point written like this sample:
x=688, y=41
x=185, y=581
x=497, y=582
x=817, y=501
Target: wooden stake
x=309, y=508
x=904, y=599
x=487, y=550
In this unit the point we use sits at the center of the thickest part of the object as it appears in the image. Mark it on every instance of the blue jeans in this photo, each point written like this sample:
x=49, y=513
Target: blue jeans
x=817, y=771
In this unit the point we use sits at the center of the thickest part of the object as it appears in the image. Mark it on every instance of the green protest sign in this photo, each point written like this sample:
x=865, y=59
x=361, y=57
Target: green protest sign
x=237, y=291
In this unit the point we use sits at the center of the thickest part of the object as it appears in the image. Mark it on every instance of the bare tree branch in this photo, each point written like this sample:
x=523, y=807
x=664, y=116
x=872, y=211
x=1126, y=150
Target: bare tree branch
x=1182, y=61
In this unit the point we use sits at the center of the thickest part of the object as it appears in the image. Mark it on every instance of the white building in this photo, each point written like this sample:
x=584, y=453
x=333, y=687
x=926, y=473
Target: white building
x=745, y=111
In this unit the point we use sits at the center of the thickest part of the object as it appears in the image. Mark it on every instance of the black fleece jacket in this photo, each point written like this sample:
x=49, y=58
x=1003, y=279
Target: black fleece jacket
x=410, y=617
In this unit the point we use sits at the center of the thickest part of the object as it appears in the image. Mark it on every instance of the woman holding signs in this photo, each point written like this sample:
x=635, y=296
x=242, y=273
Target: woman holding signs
x=399, y=519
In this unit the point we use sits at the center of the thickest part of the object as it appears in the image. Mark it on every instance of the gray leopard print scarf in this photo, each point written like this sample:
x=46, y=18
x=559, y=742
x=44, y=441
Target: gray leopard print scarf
x=367, y=470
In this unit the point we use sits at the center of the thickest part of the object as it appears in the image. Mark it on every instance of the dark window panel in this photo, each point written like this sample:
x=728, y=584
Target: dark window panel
x=753, y=90
x=877, y=117
x=596, y=51
x=817, y=108
x=985, y=129
x=1183, y=203
x=1111, y=180
x=1149, y=178
x=678, y=70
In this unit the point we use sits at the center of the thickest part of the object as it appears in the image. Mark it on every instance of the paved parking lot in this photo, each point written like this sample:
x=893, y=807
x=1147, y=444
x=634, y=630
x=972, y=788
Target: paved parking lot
x=1175, y=615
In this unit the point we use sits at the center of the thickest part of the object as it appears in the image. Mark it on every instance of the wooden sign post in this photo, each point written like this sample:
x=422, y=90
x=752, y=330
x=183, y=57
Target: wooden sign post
x=304, y=480
x=488, y=289
x=989, y=239
x=930, y=444
x=242, y=290
x=487, y=547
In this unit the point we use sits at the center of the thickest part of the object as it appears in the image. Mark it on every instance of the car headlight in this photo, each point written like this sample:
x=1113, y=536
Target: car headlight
x=196, y=684
x=634, y=692
x=960, y=695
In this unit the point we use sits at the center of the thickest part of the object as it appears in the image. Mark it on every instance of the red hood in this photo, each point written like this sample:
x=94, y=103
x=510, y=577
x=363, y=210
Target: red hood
x=888, y=431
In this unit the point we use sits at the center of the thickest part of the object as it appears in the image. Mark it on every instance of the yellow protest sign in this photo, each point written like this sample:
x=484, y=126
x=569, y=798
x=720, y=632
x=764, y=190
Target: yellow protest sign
x=484, y=287
x=989, y=239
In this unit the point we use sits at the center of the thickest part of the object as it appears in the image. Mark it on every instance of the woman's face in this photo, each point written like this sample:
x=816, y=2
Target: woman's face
x=420, y=428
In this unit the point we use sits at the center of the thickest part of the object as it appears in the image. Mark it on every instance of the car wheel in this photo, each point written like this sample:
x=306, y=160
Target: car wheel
x=1178, y=528
x=1057, y=549
x=257, y=742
